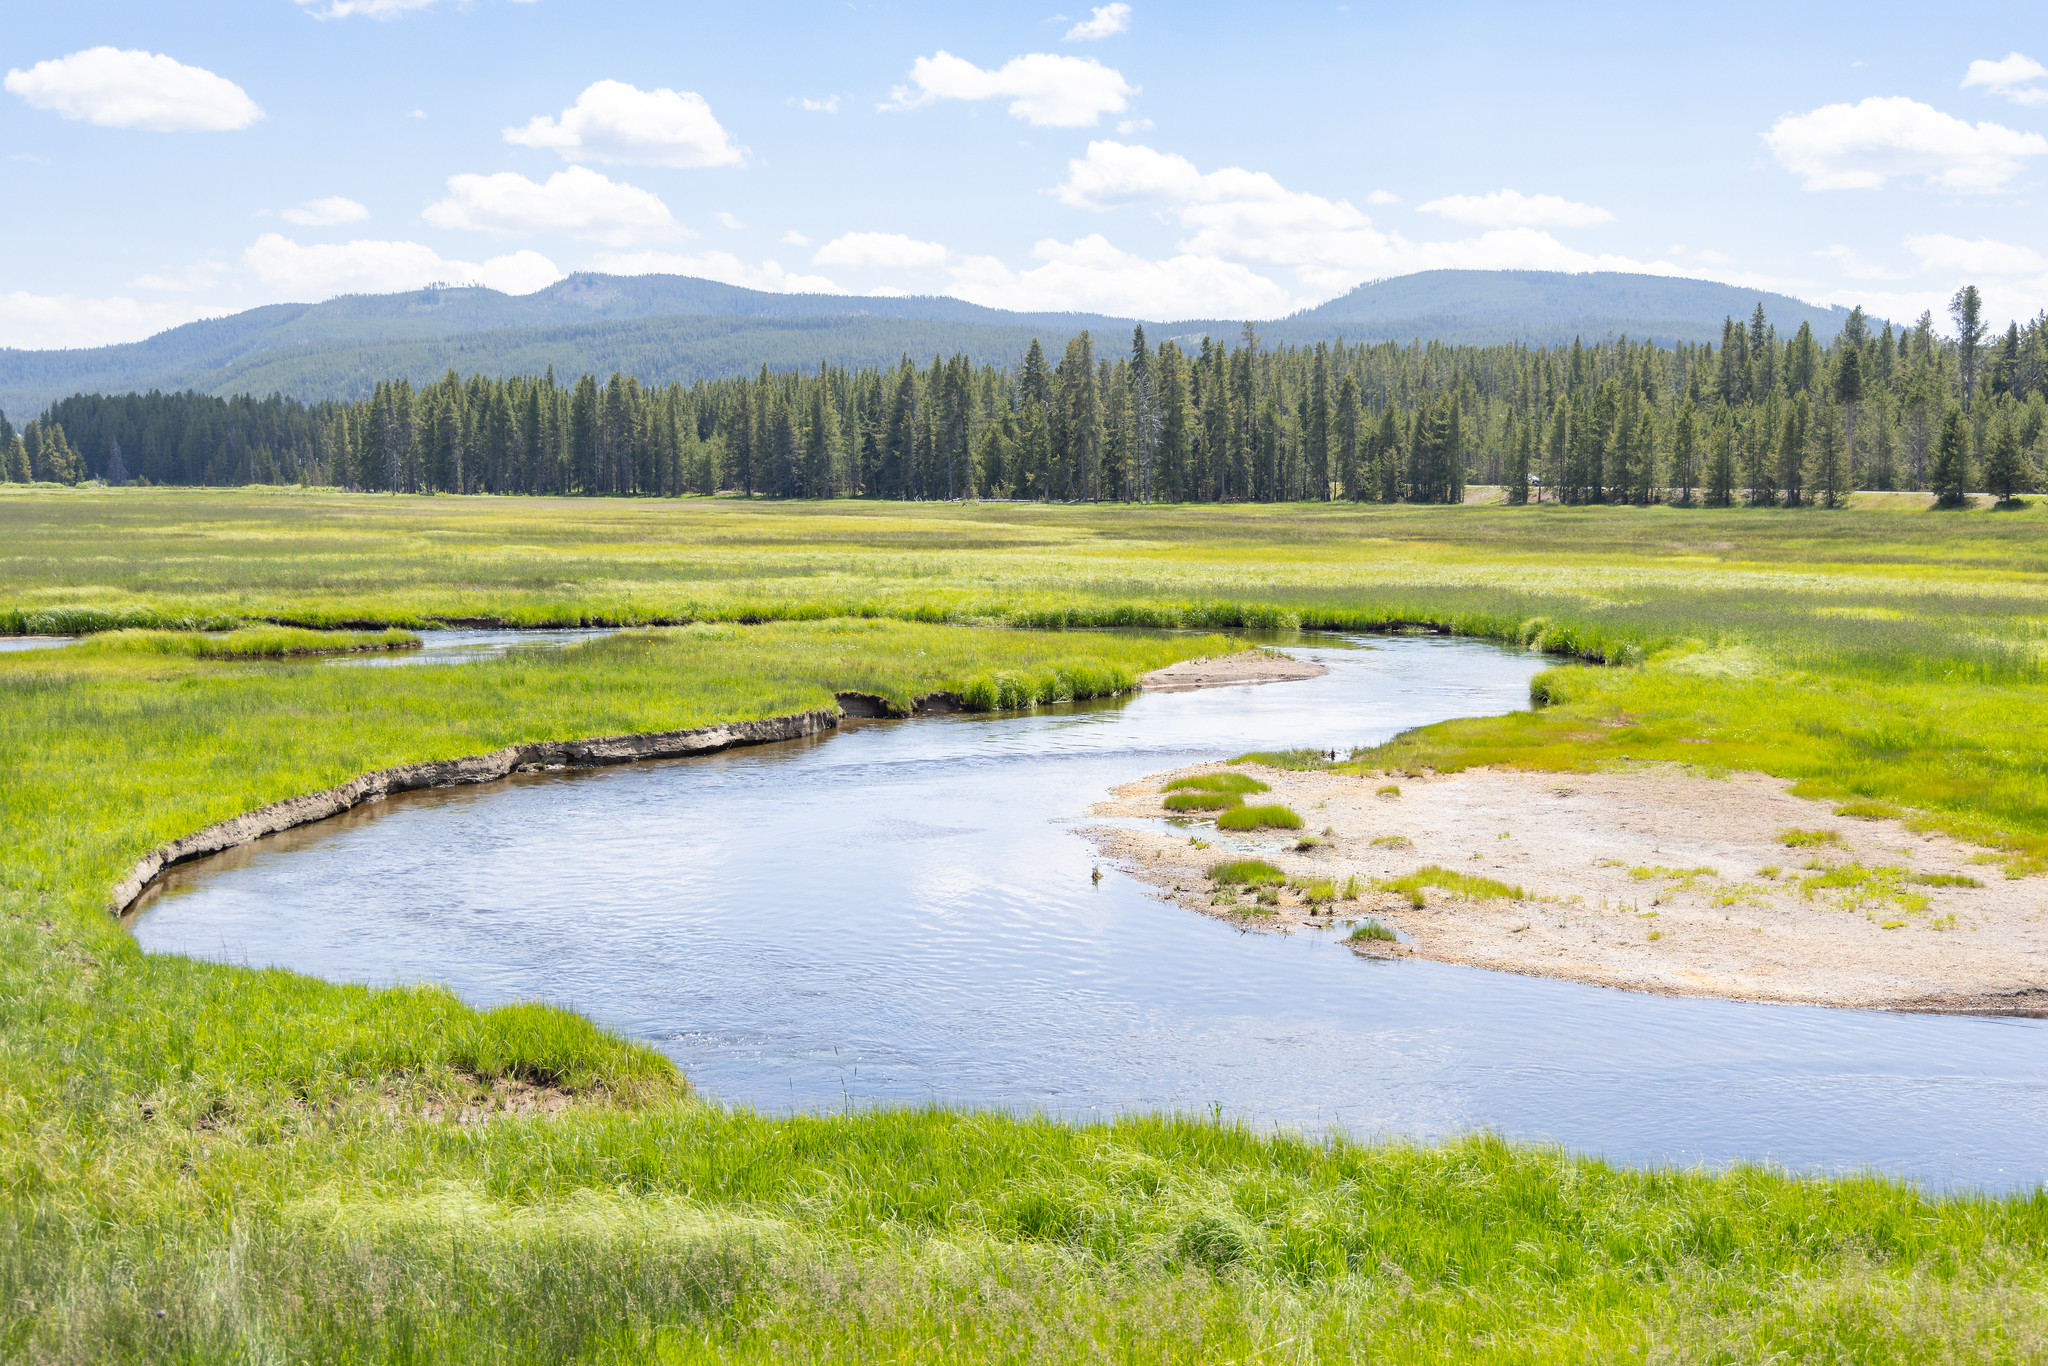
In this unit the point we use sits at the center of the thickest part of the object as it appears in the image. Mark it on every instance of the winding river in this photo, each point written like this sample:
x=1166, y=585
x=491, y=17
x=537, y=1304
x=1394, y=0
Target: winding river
x=902, y=912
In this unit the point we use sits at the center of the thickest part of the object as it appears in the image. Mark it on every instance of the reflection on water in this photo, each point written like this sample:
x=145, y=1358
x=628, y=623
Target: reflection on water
x=462, y=646
x=8, y=643
x=902, y=912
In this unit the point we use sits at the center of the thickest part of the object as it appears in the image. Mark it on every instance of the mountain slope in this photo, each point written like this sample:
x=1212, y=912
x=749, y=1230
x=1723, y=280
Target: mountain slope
x=1545, y=308
x=673, y=327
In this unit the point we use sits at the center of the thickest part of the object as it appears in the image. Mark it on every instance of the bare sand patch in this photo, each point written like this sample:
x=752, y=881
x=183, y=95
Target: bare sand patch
x=1246, y=666
x=1656, y=879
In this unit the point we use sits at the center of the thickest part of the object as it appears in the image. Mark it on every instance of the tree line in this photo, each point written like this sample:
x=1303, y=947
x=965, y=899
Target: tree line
x=1758, y=419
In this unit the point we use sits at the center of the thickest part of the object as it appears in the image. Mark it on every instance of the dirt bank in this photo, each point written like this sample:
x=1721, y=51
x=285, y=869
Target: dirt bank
x=1652, y=880
x=1246, y=666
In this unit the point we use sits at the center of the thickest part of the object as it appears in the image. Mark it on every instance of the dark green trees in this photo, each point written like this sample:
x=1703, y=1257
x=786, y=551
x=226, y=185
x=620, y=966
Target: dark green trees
x=1949, y=476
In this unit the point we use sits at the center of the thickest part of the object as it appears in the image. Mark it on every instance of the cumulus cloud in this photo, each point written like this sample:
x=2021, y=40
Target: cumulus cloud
x=615, y=122
x=793, y=238
x=579, y=202
x=722, y=266
x=1043, y=89
x=1940, y=252
x=1235, y=214
x=881, y=251
x=1512, y=209
x=730, y=220
x=1106, y=22
x=828, y=105
x=133, y=89
x=39, y=321
x=324, y=270
x=1090, y=274
x=2014, y=78
x=1861, y=146
x=1383, y=197
x=325, y=213
x=368, y=9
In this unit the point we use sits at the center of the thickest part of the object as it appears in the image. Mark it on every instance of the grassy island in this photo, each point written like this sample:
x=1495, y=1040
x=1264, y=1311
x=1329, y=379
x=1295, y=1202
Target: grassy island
x=207, y=1163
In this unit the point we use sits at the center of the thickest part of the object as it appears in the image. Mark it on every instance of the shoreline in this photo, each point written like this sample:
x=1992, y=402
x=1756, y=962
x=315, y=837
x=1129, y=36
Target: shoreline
x=1256, y=665
x=1653, y=879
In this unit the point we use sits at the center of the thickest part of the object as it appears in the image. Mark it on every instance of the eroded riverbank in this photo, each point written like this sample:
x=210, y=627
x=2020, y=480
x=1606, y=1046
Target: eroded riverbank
x=1656, y=880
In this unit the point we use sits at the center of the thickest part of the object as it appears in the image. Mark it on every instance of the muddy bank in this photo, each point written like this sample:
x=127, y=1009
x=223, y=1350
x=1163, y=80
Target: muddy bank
x=475, y=768
x=1246, y=666
x=1653, y=880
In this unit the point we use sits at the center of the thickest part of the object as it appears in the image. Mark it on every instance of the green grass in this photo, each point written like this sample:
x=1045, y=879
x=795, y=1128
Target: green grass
x=1238, y=783
x=205, y=1163
x=1246, y=872
x=1465, y=885
x=1371, y=931
x=248, y=642
x=1267, y=816
x=1809, y=839
x=1201, y=801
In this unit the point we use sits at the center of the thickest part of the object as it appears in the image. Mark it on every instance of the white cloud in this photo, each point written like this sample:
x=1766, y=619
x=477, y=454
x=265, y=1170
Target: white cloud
x=1948, y=255
x=730, y=220
x=417, y=114
x=881, y=251
x=370, y=267
x=1130, y=126
x=578, y=201
x=325, y=213
x=828, y=105
x=1043, y=89
x=1089, y=274
x=1854, y=265
x=1861, y=146
x=369, y=9
x=794, y=238
x=1241, y=215
x=1383, y=197
x=1512, y=209
x=2013, y=78
x=615, y=122
x=134, y=89
x=1107, y=22
x=39, y=321
x=722, y=266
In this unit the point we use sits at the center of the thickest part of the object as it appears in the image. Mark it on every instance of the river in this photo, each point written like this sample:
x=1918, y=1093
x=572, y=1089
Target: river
x=902, y=912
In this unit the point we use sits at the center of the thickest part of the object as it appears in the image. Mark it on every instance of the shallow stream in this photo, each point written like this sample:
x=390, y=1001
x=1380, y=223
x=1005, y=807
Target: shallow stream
x=902, y=912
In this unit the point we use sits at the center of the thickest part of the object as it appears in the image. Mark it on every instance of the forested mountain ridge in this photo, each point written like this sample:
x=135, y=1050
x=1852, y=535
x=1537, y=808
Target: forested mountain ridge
x=675, y=329
x=1758, y=418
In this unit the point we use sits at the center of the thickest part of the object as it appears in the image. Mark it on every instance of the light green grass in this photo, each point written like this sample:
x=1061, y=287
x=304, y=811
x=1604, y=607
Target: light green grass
x=248, y=642
x=1466, y=885
x=1266, y=816
x=1246, y=872
x=1238, y=783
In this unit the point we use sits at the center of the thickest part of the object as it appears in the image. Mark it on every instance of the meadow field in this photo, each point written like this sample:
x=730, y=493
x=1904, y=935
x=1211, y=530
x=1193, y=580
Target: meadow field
x=210, y=1163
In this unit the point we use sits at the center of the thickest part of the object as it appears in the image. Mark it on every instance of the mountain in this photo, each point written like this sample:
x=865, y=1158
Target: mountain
x=1545, y=308
x=673, y=327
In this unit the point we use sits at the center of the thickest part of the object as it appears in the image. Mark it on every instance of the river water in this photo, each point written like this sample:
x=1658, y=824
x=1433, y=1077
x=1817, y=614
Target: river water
x=902, y=912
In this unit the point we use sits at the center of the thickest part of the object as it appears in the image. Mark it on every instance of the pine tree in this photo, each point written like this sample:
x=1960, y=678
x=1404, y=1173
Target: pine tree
x=1792, y=450
x=1966, y=310
x=1517, y=491
x=1828, y=476
x=2005, y=468
x=1684, y=453
x=1721, y=474
x=1347, y=429
x=1950, y=474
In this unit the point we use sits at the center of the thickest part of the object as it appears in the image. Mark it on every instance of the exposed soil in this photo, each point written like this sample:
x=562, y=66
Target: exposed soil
x=1655, y=879
x=1246, y=666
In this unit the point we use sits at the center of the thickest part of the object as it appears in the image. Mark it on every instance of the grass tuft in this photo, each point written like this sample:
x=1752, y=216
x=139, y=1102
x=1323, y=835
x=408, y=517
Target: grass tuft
x=1246, y=872
x=1270, y=816
x=1466, y=885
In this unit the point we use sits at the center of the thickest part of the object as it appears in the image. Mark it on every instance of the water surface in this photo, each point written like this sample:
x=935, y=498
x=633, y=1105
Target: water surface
x=902, y=912
x=461, y=645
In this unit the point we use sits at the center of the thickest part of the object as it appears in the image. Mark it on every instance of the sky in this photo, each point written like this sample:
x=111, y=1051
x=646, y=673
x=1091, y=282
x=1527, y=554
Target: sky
x=168, y=160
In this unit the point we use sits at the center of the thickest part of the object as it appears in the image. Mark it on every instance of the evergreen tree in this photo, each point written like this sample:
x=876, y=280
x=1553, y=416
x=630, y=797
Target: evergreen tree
x=1684, y=454
x=1517, y=479
x=1828, y=476
x=1347, y=432
x=2005, y=468
x=1721, y=474
x=1966, y=310
x=1949, y=475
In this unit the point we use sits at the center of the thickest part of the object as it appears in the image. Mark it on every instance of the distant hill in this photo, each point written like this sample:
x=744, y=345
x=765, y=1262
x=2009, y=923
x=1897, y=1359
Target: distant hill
x=1545, y=308
x=673, y=327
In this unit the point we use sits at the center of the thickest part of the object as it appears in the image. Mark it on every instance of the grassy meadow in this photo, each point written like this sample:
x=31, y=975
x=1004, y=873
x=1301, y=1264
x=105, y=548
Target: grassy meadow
x=205, y=1163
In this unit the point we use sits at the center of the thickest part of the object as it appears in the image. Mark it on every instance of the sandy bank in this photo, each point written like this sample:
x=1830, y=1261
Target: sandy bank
x=1654, y=880
x=1246, y=666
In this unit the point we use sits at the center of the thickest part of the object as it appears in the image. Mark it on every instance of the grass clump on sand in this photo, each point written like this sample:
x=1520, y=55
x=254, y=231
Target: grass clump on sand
x=1239, y=783
x=1201, y=801
x=1371, y=931
x=1246, y=872
x=1270, y=815
x=1465, y=885
x=1810, y=839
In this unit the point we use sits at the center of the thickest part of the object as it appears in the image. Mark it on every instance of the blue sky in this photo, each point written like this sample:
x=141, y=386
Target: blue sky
x=171, y=160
